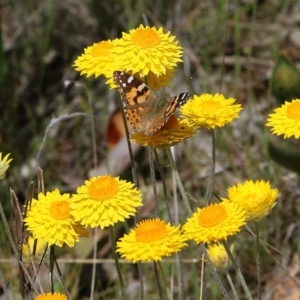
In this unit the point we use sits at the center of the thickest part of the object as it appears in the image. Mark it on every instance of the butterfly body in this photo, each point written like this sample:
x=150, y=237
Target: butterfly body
x=145, y=110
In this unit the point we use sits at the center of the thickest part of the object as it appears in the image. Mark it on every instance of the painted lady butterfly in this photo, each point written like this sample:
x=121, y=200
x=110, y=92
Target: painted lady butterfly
x=144, y=110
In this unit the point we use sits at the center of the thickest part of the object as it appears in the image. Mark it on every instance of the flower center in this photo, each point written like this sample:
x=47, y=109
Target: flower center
x=59, y=210
x=150, y=231
x=101, y=49
x=293, y=111
x=145, y=38
x=172, y=122
x=209, y=106
x=212, y=215
x=48, y=296
x=103, y=188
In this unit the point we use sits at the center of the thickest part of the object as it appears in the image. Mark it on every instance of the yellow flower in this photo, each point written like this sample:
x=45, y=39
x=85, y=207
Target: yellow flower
x=49, y=296
x=256, y=198
x=218, y=255
x=104, y=201
x=96, y=60
x=4, y=164
x=146, y=49
x=50, y=220
x=173, y=132
x=39, y=251
x=286, y=119
x=210, y=111
x=150, y=241
x=215, y=222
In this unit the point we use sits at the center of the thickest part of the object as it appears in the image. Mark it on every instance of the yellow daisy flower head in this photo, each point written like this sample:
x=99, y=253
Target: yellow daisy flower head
x=49, y=219
x=215, y=222
x=219, y=256
x=39, y=251
x=286, y=119
x=147, y=49
x=211, y=111
x=150, y=241
x=96, y=60
x=173, y=132
x=105, y=200
x=256, y=198
x=4, y=164
x=50, y=296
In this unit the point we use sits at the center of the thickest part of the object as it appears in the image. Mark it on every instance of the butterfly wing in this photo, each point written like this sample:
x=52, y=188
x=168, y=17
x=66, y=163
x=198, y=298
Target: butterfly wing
x=164, y=108
x=144, y=110
x=137, y=97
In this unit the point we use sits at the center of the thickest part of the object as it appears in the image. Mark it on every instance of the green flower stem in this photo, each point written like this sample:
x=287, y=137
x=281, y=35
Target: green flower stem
x=236, y=297
x=164, y=281
x=238, y=271
x=112, y=236
x=202, y=276
x=58, y=275
x=180, y=276
x=94, y=264
x=214, y=273
x=258, y=262
x=157, y=282
x=152, y=172
x=163, y=181
x=178, y=180
x=211, y=185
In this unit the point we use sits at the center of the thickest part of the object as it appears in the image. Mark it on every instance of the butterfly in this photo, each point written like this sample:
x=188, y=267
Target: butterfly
x=144, y=109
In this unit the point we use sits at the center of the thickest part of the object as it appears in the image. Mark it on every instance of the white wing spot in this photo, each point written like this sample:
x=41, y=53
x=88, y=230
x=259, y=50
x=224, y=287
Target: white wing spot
x=141, y=86
x=130, y=79
x=124, y=84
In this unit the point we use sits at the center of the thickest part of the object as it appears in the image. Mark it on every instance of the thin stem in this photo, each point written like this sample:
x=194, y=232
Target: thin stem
x=164, y=280
x=174, y=189
x=59, y=277
x=156, y=279
x=141, y=281
x=211, y=185
x=112, y=236
x=180, y=276
x=94, y=264
x=202, y=277
x=214, y=273
x=238, y=271
x=178, y=180
x=258, y=266
x=153, y=179
x=163, y=180
x=51, y=267
x=236, y=297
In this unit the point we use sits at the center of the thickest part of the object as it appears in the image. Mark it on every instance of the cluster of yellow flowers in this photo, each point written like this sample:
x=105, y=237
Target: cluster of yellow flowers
x=56, y=218
x=143, y=51
x=151, y=55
